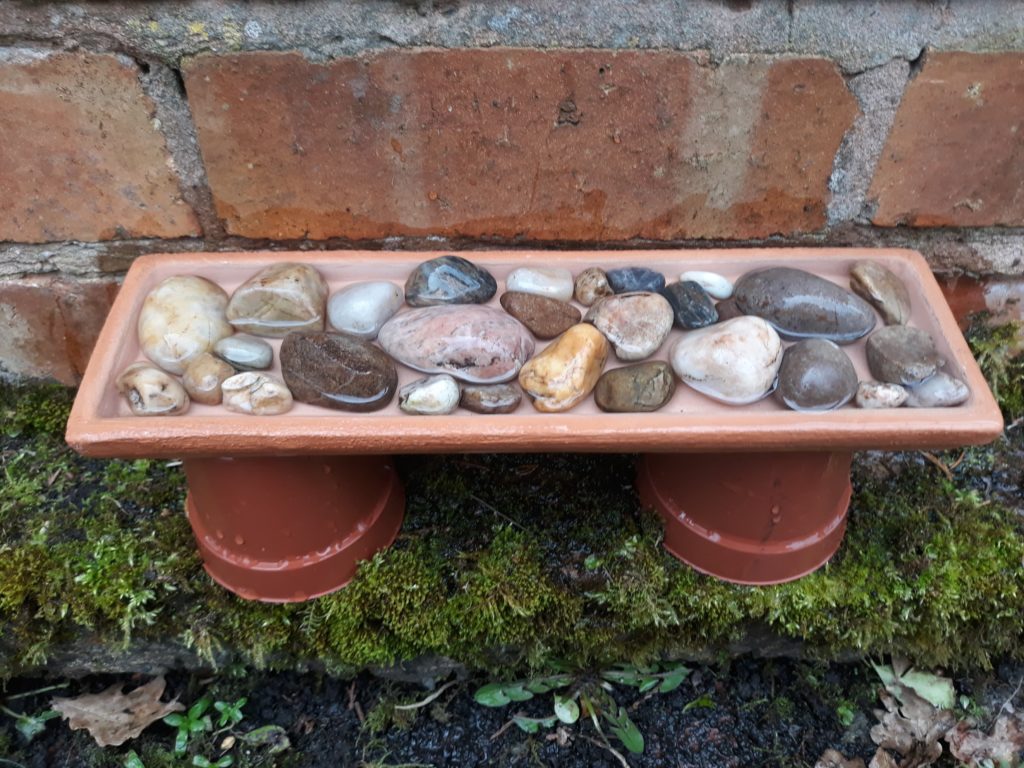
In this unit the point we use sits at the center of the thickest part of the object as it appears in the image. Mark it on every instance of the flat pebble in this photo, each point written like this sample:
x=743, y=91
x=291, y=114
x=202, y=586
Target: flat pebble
x=181, y=318
x=938, y=391
x=203, y=377
x=883, y=289
x=362, y=308
x=491, y=398
x=565, y=372
x=899, y=354
x=246, y=353
x=279, y=299
x=718, y=286
x=591, y=285
x=449, y=280
x=151, y=391
x=256, y=394
x=880, y=394
x=635, y=323
x=544, y=316
x=553, y=282
x=816, y=375
x=691, y=305
x=630, y=279
x=637, y=388
x=432, y=396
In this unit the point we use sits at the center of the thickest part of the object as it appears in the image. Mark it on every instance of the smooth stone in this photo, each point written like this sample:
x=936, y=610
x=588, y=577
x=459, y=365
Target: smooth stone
x=246, y=353
x=181, y=318
x=152, y=392
x=880, y=394
x=491, y=398
x=545, y=317
x=631, y=279
x=637, y=388
x=553, y=282
x=449, y=280
x=801, y=305
x=203, y=377
x=432, y=396
x=280, y=299
x=567, y=370
x=336, y=370
x=691, y=305
x=718, y=286
x=900, y=354
x=635, y=323
x=816, y=375
x=257, y=394
x=481, y=345
x=591, y=284
x=881, y=288
x=736, y=362
x=727, y=310
x=362, y=308
x=938, y=391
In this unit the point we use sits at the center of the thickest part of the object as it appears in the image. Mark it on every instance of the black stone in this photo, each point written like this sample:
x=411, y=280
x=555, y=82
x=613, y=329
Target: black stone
x=691, y=305
x=626, y=279
x=449, y=280
x=337, y=370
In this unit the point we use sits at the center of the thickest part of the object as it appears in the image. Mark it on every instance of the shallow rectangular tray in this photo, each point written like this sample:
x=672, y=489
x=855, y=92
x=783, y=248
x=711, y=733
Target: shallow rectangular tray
x=101, y=424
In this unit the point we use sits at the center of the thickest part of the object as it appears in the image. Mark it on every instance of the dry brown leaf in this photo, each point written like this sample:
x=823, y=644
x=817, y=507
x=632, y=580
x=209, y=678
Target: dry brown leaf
x=911, y=726
x=832, y=759
x=883, y=759
x=113, y=717
x=1002, y=747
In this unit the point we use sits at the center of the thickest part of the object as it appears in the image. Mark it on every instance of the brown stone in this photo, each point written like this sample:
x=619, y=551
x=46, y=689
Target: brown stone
x=545, y=317
x=580, y=145
x=81, y=157
x=954, y=156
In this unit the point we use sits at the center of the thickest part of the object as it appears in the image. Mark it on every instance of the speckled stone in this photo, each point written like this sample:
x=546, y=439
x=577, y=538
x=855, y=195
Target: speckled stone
x=872, y=395
x=545, y=317
x=337, y=370
x=718, y=286
x=816, y=375
x=280, y=299
x=565, y=372
x=246, y=353
x=431, y=396
x=638, y=388
x=691, y=305
x=591, y=285
x=938, y=391
x=902, y=355
x=256, y=394
x=880, y=287
x=553, y=282
x=181, y=318
x=152, y=392
x=362, y=308
x=632, y=279
x=491, y=398
x=635, y=323
x=203, y=377
x=449, y=280
x=801, y=305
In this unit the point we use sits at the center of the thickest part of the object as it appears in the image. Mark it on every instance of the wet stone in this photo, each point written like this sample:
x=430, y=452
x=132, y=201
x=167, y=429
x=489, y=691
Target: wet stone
x=816, y=375
x=203, y=377
x=152, y=392
x=280, y=299
x=246, y=353
x=491, y=398
x=638, y=388
x=718, y=286
x=553, y=282
x=545, y=317
x=880, y=394
x=880, y=287
x=181, y=318
x=691, y=305
x=567, y=370
x=337, y=370
x=256, y=394
x=432, y=396
x=902, y=355
x=449, y=280
x=630, y=279
x=591, y=285
x=481, y=345
x=635, y=323
x=362, y=308
x=727, y=310
x=938, y=391
x=801, y=305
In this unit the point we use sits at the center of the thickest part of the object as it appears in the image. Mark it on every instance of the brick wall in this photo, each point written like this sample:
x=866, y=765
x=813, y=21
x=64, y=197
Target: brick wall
x=129, y=128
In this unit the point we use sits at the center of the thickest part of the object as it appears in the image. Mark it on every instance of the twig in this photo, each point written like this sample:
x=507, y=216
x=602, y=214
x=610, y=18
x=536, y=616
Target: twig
x=606, y=745
x=589, y=706
x=478, y=500
x=36, y=692
x=5, y=761
x=938, y=463
x=359, y=713
x=1009, y=701
x=1016, y=423
x=353, y=703
x=505, y=727
x=959, y=461
x=429, y=698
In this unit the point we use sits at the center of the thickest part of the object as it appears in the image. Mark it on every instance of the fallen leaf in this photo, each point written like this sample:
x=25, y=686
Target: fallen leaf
x=911, y=726
x=832, y=759
x=882, y=759
x=1002, y=747
x=113, y=717
x=935, y=689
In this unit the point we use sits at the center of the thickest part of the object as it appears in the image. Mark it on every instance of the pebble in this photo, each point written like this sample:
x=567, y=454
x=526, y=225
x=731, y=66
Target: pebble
x=900, y=354
x=432, y=396
x=545, y=317
x=181, y=318
x=553, y=282
x=203, y=377
x=449, y=280
x=735, y=362
x=637, y=388
x=362, y=308
x=938, y=391
x=152, y=392
x=491, y=398
x=880, y=394
x=481, y=345
x=567, y=370
x=591, y=285
x=801, y=305
x=246, y=353
x=337, y=370
x=691, y=305
x=631, y=279
x=816, y=375
x=256, y=394
x=635, y=323
x=727, y=310
x=881, y=288
x=280, y=299
x=718, y=286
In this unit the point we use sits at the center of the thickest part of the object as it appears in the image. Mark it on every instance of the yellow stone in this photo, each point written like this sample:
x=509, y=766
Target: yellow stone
x=567, y=370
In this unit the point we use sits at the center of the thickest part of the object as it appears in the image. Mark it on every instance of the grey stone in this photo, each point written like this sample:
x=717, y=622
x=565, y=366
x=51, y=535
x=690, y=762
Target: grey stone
x=938, y=391
x=362, y=308
x=816, y=375
x=491, y=398
x=449, y=280
x=246, y=353
x=632, y=279
x=903, y=355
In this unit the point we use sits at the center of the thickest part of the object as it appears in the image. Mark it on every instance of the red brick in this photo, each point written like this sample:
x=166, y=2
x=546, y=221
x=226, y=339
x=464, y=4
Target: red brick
x=507, y=144
x=81, y=158
x=50, y=325
x=955, y=155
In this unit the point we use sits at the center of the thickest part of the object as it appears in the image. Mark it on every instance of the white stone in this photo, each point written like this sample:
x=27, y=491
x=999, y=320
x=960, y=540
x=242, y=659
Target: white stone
x=432, y=396
x=940, y=390
x=636, y=324
x=181, y=318
x=151, y=392
x=362, y=308
x=736, y=362
x=257, y=394
x=553, y=282
x=877, y=394
x=718, y=286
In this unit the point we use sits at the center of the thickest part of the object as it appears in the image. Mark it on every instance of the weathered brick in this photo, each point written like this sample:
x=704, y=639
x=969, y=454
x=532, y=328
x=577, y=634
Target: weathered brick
x=50, y=326
x=506, y=144
x=81, y=158
x=955, y=156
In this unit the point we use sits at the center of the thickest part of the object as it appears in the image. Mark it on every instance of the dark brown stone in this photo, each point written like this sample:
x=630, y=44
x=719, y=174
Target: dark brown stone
x=816, y=375
x=903, y=355
x=336, y=370
x=635, y=388
x=544, y=316
x=491, y=398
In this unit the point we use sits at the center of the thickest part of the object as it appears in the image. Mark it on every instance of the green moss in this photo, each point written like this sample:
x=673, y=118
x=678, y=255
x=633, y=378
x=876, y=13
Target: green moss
x=997, y=349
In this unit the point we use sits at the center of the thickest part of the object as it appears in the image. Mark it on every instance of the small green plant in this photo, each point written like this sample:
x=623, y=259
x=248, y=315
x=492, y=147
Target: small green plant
x=202, y=762
x=230, y=714
x=846, y=712
x=30, y=726
x=190, y=724
x=132, y=760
